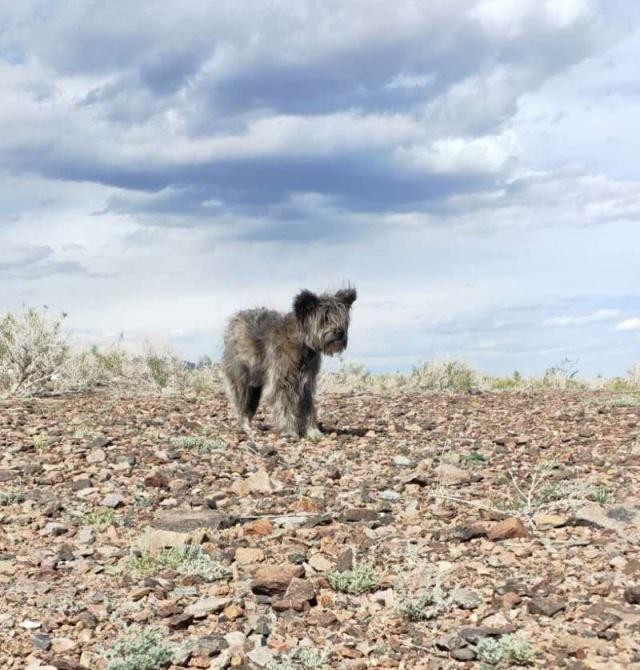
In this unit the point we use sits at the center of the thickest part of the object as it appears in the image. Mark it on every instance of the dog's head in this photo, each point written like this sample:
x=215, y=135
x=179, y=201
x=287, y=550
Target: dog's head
x=324, y=319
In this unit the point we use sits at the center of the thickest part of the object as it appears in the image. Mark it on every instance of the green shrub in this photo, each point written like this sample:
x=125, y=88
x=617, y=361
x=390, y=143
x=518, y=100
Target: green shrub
x=504, y=652
x=186, y=560
x=201, y=444
x=140, y=650
x=359, y=580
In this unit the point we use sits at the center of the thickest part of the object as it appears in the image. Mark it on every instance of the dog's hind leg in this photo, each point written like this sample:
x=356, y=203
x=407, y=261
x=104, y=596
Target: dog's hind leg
x=244, y=397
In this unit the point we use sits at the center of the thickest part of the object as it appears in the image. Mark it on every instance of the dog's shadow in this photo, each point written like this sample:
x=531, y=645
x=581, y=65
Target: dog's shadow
x=325, y=430
x=353, y=432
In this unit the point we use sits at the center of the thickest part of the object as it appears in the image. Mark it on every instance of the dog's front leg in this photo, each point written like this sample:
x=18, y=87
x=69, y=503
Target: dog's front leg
x=307, y=414
x=285, y=404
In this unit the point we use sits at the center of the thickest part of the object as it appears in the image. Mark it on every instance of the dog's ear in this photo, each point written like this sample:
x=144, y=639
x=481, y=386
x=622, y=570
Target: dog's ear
x=304, y=303
x=347, y=296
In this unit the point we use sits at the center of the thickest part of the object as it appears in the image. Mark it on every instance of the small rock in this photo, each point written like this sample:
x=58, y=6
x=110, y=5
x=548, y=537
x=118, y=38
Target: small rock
x=85, y=536
x=297, y=557
x=248, y=555
x=99, y=443
x=180, y=621
x=496, y=621
x=41, y=641
x=188, y=520
x=61, y=645
x=465, y=533
x=274, y=580
x=403, y=462
x=96, y=456
x=618, y=562
x=8, y=475
x=466, y=599
x=113, y=500
x=81, y=484
x=54, y=529
x=258, y=482
x=615, y=517
x=359, y=514
x=450, y=642
x=419, y=478
x=508, y=600
x=210, y=645
x=290, y=522
x=463, y=654
x=157, y=480
x=261, y=656
x=205, y=606
x=632, y=595
x=451, y=475
x=473, y=634
x=27, y=624
x=320, y=563
x=140, y=593
x=65, y=552
x=300, y=589
x=259, y=527
x=345, y=560
x=545, y=606
x=506, y=530
x=543, y=521
x=235, y=639
x=334, y=473
x=389, y=494
x=322, y=618
x=233, y=612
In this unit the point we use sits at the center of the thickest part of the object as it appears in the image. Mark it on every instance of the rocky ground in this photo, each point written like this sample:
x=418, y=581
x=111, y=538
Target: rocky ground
x=473, y=530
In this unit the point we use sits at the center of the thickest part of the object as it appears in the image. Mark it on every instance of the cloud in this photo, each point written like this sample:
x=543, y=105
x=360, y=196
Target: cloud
x=386, y=112
x=598, y=316
x=21, y=255
x=629, y=324
x=469, y=165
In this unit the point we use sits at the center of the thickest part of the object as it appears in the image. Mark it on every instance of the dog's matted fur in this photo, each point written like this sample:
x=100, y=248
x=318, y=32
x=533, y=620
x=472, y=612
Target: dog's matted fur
x=278, y=355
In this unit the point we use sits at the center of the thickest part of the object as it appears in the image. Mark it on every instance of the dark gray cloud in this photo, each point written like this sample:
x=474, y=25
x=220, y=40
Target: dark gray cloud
x=196, y=103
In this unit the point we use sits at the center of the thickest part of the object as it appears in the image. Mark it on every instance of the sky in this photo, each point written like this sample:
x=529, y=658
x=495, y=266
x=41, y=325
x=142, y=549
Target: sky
x=471, y=166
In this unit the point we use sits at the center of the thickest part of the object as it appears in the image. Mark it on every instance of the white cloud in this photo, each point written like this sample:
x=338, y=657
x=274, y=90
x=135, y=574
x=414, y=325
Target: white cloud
x=598, y=316
x=629, y=324
x=458, y=155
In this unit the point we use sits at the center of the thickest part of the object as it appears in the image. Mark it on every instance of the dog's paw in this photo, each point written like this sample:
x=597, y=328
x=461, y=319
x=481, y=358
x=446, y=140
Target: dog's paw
x=314, y=434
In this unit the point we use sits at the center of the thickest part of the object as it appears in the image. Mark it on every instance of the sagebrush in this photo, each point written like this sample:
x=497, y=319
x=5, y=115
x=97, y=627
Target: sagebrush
x=37, y=357
x=139, y=650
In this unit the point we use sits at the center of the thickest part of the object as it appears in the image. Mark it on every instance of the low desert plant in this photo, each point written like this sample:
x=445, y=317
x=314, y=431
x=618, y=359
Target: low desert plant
x=427, y=605
x=473, y=457
x=186, y=560
x=201, y=444
x=431, y=601
x=100, y=518
x=36, y=358
x=11, y=496
x=538, y=491
x=601, y=494
x=504, y=652
x=444, y=375
x=360, y=579
x=303, y=658
x=39, y=442
x=139, y=650
x=33, y=350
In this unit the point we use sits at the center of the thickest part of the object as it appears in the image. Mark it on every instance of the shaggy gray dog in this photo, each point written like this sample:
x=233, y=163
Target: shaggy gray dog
x=278, y=356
